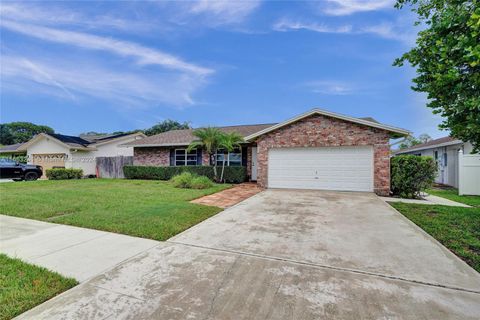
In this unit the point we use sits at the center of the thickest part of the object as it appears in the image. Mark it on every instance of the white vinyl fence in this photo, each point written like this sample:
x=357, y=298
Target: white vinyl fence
x=468, y=174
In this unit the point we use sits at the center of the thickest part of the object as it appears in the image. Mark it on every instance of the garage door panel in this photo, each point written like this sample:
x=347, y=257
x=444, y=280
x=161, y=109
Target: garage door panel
x=335, y=168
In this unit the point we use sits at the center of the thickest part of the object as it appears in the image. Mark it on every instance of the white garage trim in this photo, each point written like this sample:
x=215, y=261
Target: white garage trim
x=325, y=168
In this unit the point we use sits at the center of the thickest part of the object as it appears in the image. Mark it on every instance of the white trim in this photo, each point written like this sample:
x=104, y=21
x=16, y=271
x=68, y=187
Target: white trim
x=186, y=157
x=433, y=146
x=329, y=114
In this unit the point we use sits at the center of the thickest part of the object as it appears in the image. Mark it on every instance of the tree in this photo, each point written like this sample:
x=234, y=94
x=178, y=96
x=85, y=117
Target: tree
x=210, y=139
x=24, y=131
x=447, y=58
x=6, y=136
x=166, y=125
x=229, y=142
x=411, y=141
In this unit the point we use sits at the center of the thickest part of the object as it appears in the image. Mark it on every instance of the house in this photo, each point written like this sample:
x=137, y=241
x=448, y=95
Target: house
x=314, y=150
x=445, y=152
x=58, y=150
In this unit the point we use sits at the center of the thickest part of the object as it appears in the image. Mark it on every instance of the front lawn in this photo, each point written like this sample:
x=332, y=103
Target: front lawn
x=456, y=228
x=148, y=209
x=452, y=194
x=23, y=286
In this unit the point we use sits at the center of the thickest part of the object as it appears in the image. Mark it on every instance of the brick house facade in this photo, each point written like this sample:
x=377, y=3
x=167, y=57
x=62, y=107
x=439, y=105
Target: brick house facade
x=314, y=129
x=322, y=131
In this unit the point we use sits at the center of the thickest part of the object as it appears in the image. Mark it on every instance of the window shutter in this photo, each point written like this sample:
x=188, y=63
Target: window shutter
x=199, y=157
x=172, y=157
x=244, y=156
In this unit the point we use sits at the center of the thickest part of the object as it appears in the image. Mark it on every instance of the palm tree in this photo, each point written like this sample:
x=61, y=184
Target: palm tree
x=229, y=142
x=210, y=139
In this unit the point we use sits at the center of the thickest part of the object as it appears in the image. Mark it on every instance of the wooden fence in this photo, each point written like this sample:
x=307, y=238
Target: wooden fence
x=112, y=167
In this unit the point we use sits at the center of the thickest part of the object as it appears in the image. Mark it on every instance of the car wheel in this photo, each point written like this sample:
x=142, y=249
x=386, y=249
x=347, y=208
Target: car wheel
x=31, y=176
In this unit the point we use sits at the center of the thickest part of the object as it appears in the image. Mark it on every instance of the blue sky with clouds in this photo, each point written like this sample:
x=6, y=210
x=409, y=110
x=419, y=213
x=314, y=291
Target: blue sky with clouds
x=110, y=66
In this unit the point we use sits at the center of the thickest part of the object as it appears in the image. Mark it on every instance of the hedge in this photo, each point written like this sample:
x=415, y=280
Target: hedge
x=231, y=174
x=411, y=174
x=64, y=174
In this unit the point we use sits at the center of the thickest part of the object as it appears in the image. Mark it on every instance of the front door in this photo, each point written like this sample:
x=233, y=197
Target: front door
x=254, y=163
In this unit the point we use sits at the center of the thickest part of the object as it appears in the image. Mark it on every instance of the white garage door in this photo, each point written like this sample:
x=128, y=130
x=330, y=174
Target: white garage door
x=328, y=168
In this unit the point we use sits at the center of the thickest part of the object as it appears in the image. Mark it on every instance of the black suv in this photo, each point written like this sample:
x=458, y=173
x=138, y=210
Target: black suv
x=11, y=169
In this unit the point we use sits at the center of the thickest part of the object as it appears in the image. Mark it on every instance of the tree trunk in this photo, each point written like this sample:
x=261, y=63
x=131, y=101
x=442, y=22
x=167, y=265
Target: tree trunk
x=212, y=158
x=223, y=168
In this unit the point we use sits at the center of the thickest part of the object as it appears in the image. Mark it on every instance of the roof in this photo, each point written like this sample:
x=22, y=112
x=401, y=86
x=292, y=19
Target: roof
x=12, y=148
x=94, y=138
x=185, y=137
x=394, y=131
x=441, y=142
x=79, y=143
x=251, y=131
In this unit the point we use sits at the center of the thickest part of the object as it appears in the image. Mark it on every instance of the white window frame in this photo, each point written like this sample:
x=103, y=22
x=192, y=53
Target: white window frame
x=185, y=154
x=227, y=160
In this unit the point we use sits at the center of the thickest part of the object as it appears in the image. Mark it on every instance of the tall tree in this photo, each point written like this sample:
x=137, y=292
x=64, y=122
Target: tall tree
x=166, y=125
x=210, y=139
x=6, y=136
x=228, y=143
x=447, y=58
x=24, y=131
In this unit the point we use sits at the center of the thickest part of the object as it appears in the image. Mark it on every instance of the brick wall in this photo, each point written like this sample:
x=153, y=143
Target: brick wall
x=151, y=156
x=323, y=131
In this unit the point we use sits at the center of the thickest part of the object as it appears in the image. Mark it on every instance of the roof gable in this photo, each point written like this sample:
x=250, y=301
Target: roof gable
x=394, y=131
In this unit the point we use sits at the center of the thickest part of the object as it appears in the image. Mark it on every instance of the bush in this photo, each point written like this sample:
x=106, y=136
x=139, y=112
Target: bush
x=183, y=180
x=201, y=182
x=411, y=174
x=64, y=174
x=231, y=174
x=189, y=180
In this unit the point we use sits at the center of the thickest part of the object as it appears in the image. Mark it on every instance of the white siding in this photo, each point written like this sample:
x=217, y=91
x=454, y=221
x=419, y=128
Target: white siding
x=46, y=146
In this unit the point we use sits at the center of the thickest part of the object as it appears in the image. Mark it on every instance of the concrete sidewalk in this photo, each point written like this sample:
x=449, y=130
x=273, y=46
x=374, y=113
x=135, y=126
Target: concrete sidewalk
x=71, y=251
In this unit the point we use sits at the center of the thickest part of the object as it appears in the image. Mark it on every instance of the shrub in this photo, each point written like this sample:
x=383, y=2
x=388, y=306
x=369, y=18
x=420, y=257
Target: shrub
x=189, y=180
x=231, y=175
x=183, y=180
x=201, y=182
x=411, y=174
x=64, y=174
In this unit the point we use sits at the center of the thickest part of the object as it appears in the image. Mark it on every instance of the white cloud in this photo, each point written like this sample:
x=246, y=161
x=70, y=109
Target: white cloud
x=219, y=12
x=288, y=25
x=144, y=55
x=347, y=7
x=331, y=87
x=55, y=15
x=75, y=79
x=384, y=30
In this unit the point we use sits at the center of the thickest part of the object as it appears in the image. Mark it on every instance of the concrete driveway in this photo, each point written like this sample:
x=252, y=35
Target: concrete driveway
x=285, y=254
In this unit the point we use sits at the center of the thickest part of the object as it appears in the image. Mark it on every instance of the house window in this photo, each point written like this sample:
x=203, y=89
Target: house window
x=184, y=158
x=436, y=155
x=231, y=158
x=445, y=159
x=418, y=154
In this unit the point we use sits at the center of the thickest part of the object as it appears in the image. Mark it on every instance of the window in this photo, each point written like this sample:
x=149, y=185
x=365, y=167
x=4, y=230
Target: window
x=445, y=159
x=436, y=155
x=418, y=154
x=184, y=158
x=231, y=159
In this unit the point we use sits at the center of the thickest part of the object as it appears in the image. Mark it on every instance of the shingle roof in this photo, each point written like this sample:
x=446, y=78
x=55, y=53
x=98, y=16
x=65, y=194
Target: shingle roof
x=93, y=138
x=71, y=140
x=185, y=137
x=10, y=148
x=429, y=144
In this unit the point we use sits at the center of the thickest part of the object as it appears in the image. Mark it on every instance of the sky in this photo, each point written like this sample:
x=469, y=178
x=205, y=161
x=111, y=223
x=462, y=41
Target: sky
x=110, y=66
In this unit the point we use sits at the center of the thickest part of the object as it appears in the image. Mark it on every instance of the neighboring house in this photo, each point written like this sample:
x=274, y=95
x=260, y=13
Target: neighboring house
x=445, y=152
x=315, y=150
x=12, y=150
x=57, y=150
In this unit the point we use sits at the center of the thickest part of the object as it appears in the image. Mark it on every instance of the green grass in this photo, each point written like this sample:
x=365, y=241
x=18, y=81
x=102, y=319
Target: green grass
x=23, y=286
x=148, y=209
x=452, y=194
x=456, y=228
